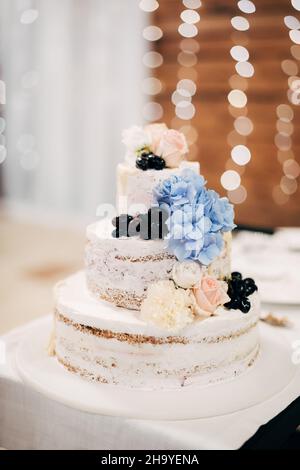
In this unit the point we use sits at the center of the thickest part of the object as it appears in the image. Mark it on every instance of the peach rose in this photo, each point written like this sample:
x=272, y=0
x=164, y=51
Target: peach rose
x=211, y=293
x=172, y=148
x=155, y=133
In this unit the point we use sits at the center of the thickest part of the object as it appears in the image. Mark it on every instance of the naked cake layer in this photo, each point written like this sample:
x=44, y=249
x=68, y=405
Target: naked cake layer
x=112, y=345
x=119, y=270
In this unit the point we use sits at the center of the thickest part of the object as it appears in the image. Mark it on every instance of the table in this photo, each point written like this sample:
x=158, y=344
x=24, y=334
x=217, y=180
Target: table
x=28, y=420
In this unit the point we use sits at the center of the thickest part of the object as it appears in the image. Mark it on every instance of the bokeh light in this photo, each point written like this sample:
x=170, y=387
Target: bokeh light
x=29, y=16
x=185, y=110
x=288, y=185
x=190, y=45
x=285, y=112
x=230, y=180
x=245, y=69
x=291, y=168
x=190, y=16
x=239, y=53
x=187, y=59
x=152, y=33
x=279, y=197
x=188, y=85
x=241, y=155
x=237, y=98
x=295, y=36
x=152, y=111
x=148, y=5
x=187, y=30
x=193, y=4
x=152, y=59
x=151, y=86
x=240, y=23
x=243, y=125
x=246, y=6
x=238, y=195
x=295, y=51
x=291, y=22
x=289, y=67
x=296, y=4
x=284, y=127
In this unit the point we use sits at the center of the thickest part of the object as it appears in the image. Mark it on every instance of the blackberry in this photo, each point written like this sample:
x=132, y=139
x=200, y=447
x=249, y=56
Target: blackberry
x=245, y=305
x=142, y=163
x=236, y=275
x=238, y=290
x=158, y=163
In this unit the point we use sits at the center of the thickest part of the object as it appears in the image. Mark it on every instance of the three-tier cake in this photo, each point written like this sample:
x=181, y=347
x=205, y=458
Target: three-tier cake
x=157, y=306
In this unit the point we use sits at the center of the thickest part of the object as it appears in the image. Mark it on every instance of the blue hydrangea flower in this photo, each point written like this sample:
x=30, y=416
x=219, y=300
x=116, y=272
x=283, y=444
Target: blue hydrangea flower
x=179, y=190
x=197, y=217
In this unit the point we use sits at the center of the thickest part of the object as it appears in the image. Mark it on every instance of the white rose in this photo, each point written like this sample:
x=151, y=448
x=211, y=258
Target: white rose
x=155, y=132
x=172, y=148
x=135, y=138
x=186, y=274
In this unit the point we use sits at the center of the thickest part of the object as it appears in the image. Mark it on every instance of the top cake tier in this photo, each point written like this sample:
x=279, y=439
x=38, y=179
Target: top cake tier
x=135, y=187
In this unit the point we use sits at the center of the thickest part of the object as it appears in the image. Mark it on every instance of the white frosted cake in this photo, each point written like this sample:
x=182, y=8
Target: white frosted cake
x=157, y=306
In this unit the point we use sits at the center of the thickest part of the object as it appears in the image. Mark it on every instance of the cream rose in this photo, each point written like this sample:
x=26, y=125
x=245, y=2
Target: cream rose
x=172, y=148
x=155, y=133
x=211, y=293
x=135, y=138
x=167, y=307
x=186, y=274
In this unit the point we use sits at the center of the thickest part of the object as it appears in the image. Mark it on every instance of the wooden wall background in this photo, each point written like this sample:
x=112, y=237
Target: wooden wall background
x=268, y=43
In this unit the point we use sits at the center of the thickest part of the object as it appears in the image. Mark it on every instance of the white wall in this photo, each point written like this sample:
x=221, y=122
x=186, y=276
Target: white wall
x=86, y=56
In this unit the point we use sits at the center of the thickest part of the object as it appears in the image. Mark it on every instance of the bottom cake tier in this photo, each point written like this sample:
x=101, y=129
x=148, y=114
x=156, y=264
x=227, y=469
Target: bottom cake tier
x=112, y=345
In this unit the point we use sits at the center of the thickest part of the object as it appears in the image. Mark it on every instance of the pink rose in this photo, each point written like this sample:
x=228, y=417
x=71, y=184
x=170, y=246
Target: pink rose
x=211, y=293
x=172, y=148
x=155, y=133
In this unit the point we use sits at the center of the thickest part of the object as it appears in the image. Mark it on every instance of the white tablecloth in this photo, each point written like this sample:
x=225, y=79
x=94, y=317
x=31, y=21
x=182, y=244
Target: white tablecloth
x=28, y=420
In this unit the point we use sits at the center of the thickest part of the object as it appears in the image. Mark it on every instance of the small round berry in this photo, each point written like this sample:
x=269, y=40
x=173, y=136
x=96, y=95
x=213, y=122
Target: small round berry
x=236, y=275
x=245, y=305
x=250, y=289
x=238, y=286
x=142, y=163
x=234, y=304
x=158, y=163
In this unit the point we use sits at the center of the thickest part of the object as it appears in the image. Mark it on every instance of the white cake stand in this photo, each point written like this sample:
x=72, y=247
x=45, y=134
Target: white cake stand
x=271, y=373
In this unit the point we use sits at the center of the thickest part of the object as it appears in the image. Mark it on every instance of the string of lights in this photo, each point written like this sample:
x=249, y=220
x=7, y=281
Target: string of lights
x=186, y=87
x=237, y=98
x=288, y=184
x=151, y=86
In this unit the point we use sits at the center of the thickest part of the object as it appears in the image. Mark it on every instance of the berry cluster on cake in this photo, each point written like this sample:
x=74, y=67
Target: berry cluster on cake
x=157, y=306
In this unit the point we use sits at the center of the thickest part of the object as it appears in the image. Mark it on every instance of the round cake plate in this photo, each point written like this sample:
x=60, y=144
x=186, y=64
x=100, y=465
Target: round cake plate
x=270, y=374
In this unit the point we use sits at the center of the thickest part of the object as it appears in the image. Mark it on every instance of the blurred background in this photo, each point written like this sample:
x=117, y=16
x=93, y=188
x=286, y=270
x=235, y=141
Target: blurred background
x=74, y=73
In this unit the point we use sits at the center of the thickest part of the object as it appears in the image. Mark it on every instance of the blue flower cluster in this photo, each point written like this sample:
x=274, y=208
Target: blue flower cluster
x=197, y=217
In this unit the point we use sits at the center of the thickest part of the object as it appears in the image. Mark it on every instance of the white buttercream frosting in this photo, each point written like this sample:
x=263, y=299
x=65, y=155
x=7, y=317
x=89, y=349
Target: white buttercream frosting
x=135, y=187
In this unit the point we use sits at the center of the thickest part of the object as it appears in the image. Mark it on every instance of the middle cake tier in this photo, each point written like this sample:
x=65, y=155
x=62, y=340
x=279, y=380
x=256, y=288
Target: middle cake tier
x=120, y=270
